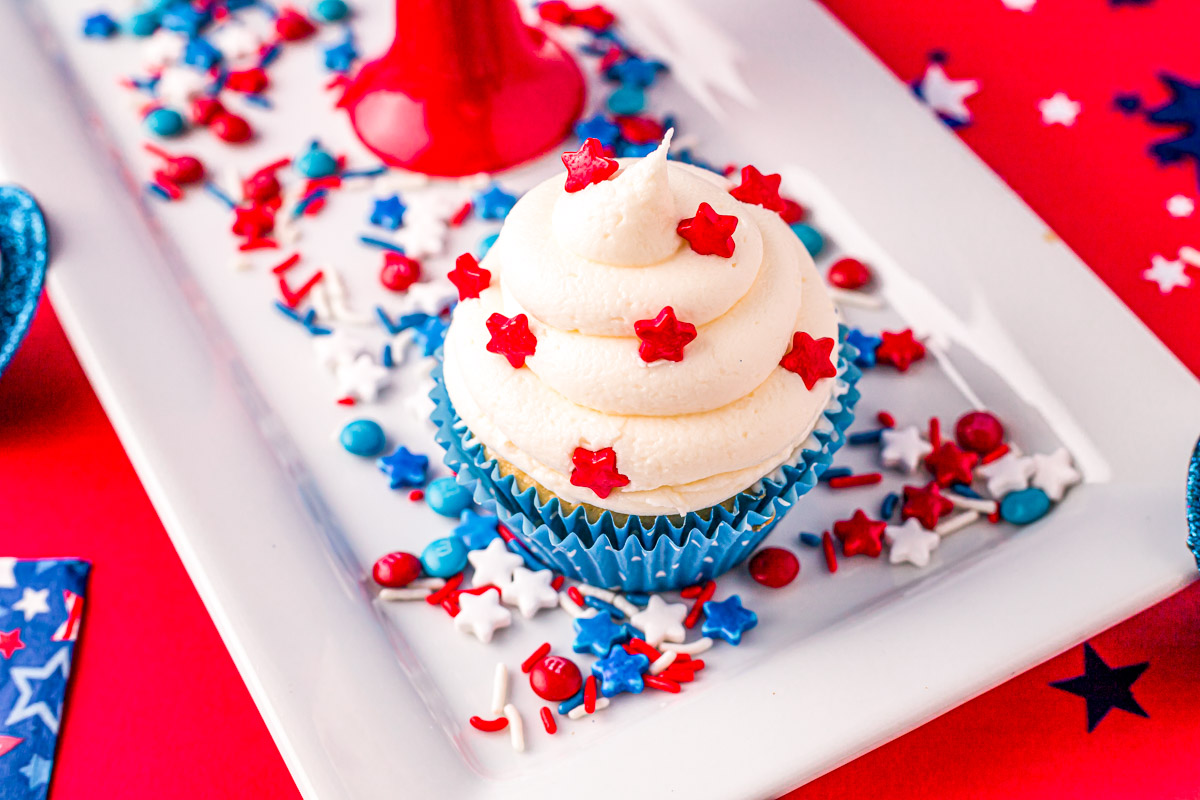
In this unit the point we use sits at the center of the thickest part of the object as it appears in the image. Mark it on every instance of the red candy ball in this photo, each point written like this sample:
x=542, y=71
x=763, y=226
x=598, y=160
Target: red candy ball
x=555, y=678
x=979, y=432
x=774, y=567
x=792, y=211
x=184, y=169
x=261, y=187
x=230, y=128
x=396, y=570
x=849, y=273
x=206, y=109
x=250, y=81
x=292, y=26
x=399, y=271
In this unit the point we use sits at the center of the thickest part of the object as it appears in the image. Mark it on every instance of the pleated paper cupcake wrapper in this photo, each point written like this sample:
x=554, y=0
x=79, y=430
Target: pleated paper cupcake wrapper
x=634, y=556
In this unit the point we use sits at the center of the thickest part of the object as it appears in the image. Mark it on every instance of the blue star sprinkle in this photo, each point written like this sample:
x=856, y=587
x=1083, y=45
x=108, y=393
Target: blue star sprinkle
x=620, y=672
x=1104, y=687
x=183, y=18
x=599, y=128
x=431, y=333
x=494, y=203
x=1182, y=109
x=476, y=530
x=635, y=71
x=99, y=26
x=388, y=213
x=37, y=771
x=201, y=55
x=728, y=619
x=340, y=57
x=404, y=468
x=866, y=346
x=598, y=634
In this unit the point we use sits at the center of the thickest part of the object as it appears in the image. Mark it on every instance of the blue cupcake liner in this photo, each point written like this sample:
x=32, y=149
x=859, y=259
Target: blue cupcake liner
x=631, y=554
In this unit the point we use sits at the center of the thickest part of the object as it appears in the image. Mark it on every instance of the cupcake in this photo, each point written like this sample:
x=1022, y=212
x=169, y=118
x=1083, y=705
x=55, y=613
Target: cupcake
x=645, y=372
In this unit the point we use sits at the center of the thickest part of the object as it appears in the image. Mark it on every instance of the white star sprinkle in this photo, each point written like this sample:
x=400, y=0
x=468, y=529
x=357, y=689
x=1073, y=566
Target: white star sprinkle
x=529, y=591
x=32, y=602
x=235, y=41
x=362, y=379
x=1053, y=474
x=7, y=579
x=493, y=564
x=1009, y=473
x=910, y=542
x=1058, y=109
x=163, y=48
x=337, y=348
x=481, y=615
x=904, y=448
x=428, y=297
x=1168, y=274
x=179, y=86
x=1181, y=206
x=661, y=621
x=945, y=95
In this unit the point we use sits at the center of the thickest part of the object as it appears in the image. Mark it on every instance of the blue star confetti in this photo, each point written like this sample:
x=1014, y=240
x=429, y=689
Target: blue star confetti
x=201, y=55
x=340, y=57
x=493, y=203
x=476, y=530
x=620, y=672
x=599, y=128
x=41, y=610
x=635, y=71
x=99, y=26
x=728, y=619
x=388, y=213
x=866, y=346
x=598, y=634
x=1104, y=687
x=431, y=333
x=404, y=468
x=1182, y=109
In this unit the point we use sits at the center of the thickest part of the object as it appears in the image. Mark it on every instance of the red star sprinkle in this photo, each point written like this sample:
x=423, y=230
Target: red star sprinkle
x=253, y=221
x=709, y=233
x=588, y=165
x=469, y=277
x=810, y=358
x=595, y=18
x=760, y=190
x=640, y=130
x=860, y=535
x=899, y=349
x=596, y=470
x=663, y=337
x=511, y=338
x=950, y=464
x=925, y=505
x=10, y=642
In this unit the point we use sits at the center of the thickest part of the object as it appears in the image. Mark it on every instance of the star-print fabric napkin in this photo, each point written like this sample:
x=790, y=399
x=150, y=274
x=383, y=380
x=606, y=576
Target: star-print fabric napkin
x=41, y=606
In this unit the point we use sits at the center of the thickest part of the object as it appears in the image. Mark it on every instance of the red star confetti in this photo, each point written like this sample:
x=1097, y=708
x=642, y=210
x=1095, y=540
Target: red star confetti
x=469, y=277
x=253, y=222
x=810, y=358
x=10, y=642
x=511, y=338
x=588, y=165
x=950, y=464
x=596, y=470
x=925, y=505
x=760, y=190
x=899, y=349
x=860, y=535
x=709, y=233
x=663, y=337
x=595, y=18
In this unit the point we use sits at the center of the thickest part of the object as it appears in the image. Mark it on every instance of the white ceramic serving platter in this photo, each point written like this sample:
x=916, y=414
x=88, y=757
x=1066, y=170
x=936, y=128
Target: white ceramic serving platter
x=228, y=422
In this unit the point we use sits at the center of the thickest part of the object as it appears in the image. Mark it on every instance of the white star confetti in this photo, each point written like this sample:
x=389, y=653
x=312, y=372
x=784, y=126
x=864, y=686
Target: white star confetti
x=32, y=603
x=904, y=448
x=945, y=95
x=336, y=349
x=179, y=86
x=163, y=48
x=235, y=41
x=1058, y=109
x=494, y=564
x=362, y=379
x=910, y=543
x=1054, y=474
x=1009, y=473
x=1167, y=273
x=481, y=615
x=529, y=591
x=1181, y=206
x=661, y=621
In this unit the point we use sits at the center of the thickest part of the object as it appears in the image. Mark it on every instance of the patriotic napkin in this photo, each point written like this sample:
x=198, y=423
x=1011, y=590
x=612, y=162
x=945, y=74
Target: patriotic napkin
x=41, y=605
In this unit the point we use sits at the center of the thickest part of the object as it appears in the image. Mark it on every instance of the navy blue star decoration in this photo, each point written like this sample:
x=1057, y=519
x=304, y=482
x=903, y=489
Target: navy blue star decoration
x=1104, y=687
x=404, y=468
x=388, y=212
x=1183, y=109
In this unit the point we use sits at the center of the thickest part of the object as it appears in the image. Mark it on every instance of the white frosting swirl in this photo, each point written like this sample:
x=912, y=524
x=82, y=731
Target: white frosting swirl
x=687, y=434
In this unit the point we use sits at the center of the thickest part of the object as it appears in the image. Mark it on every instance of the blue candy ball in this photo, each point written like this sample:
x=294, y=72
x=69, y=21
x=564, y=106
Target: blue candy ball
x=485, y=244
x=1024, y=506
x=316, y=162
x=165, y=122
x=447, y=498
x=330, y=10
x=810, y=237
x=142, y=23
x=627, y=100
x=442, y=558
x=363, y=437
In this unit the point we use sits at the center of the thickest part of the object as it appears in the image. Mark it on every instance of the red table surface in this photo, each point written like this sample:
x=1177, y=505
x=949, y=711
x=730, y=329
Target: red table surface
x=158, y=710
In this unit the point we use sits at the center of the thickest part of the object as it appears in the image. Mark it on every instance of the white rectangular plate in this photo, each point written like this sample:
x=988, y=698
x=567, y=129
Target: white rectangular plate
x=228, y=423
